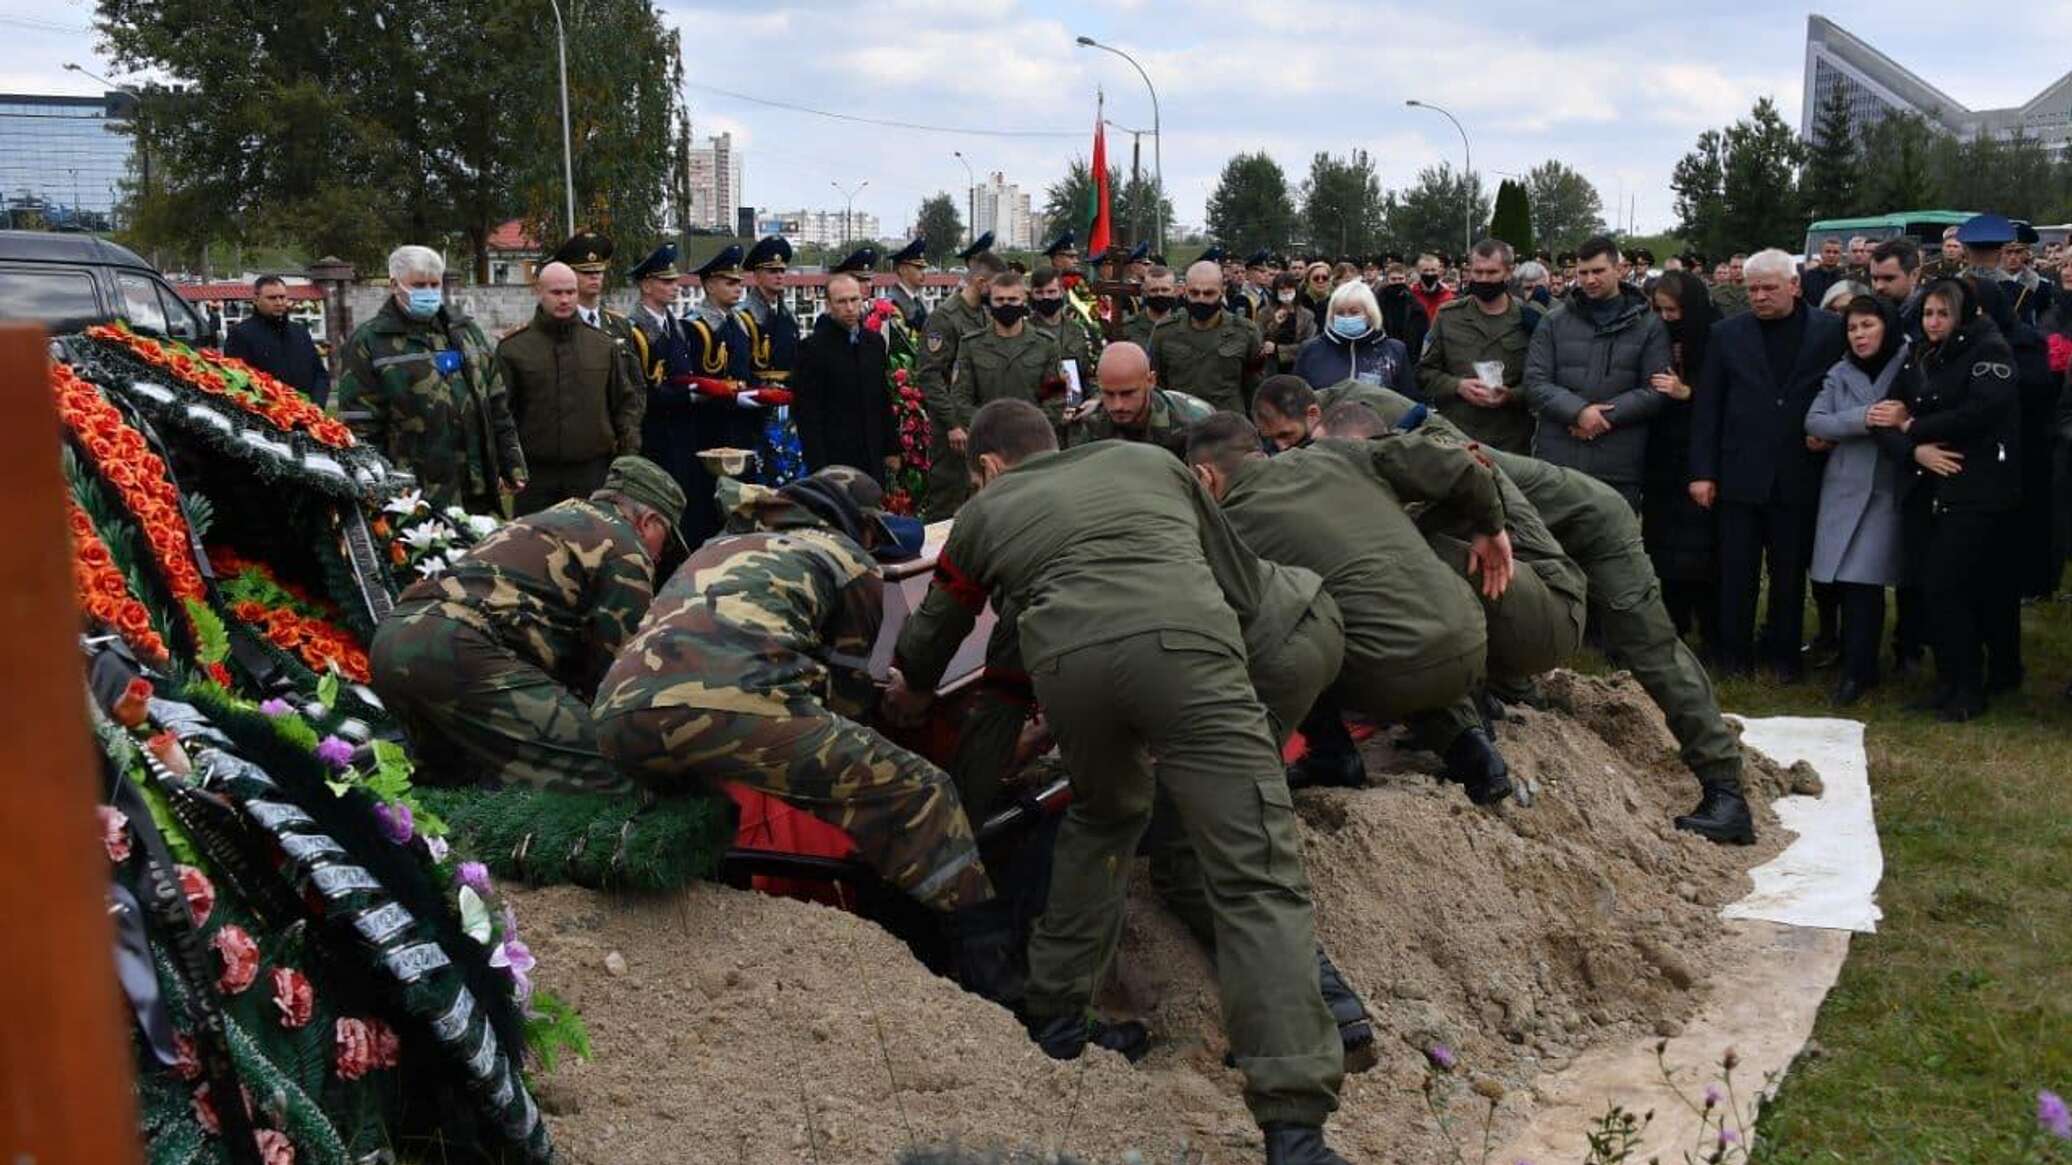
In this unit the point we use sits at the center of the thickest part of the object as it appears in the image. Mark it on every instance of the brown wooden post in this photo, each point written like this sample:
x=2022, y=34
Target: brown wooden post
x=65, y=1091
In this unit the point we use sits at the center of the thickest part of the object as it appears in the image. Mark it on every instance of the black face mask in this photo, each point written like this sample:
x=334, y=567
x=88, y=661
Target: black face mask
x=1046, y=307
x=1161, y=303
x=1488, y=292
x=1008, y=315
x=1429, y=281
x=1203, y=312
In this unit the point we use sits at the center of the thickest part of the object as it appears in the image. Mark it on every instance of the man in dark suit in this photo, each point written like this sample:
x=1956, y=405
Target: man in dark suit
x=276, y=345
x=1751, y=458
x=839, y=398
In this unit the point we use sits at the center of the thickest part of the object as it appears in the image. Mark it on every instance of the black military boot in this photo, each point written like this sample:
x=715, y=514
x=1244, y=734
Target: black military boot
x=1333, y=758
x=1721, y=816
x=1472, y=760
x=988, y=952
x=1355, y=1029
x=1066, y=1036
x=1298, y=1145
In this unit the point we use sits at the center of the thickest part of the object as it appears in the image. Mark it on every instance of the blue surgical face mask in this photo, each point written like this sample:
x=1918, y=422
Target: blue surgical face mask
x=1351, y=327
x=425, y=301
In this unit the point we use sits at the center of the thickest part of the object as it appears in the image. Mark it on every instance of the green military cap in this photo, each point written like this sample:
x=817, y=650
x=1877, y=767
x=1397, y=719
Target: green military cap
x=639, y=480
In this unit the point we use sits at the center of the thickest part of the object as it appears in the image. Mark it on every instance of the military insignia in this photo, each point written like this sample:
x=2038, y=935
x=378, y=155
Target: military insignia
x=935, y=342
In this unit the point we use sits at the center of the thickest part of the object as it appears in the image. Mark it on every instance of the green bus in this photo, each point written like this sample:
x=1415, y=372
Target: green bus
x=1925, y=227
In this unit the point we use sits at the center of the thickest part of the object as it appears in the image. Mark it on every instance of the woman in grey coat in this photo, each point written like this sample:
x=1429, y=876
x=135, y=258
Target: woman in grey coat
x=1856, y=543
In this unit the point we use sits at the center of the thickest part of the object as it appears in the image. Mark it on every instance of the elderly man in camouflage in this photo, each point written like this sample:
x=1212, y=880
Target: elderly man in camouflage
x=491, y=666
x=749, y=668
x=420, y=383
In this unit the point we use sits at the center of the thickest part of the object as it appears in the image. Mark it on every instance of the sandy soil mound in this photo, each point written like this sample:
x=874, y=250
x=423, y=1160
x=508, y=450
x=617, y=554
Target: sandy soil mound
x=739, y=1028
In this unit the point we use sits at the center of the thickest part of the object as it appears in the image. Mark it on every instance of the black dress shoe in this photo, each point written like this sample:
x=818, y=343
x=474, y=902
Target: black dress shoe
x=1849, y=691
x=1722, y=816
x=1343, y=770
x=1298, y=1145
x=1472, y=761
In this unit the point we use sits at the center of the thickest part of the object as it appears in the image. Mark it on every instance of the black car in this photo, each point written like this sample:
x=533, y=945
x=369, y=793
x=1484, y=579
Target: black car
x=67, y=281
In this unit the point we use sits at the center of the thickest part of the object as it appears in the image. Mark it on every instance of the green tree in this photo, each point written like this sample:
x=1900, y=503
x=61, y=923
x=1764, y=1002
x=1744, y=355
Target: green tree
x=1761, y=185
x=940, y=225
x=1833, y=168
x=1250, y=207
x=1699, y=181
x=1899, y=165
x=2014, y=176
x=1342, y=206
x=1566, y=208
x=1512, y=219
x=1065, y=202
x=1435, y=212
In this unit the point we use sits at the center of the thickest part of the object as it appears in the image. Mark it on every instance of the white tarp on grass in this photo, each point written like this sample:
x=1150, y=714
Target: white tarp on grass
x=1828, y=876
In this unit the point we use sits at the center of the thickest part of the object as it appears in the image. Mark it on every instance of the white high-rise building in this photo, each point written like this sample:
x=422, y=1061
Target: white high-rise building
x=1000, y=206
x=1876, y=85
x=818, y=228
x=716, y=189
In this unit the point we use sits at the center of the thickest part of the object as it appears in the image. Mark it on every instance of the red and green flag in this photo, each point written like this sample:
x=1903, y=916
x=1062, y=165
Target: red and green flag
x=1097, y=193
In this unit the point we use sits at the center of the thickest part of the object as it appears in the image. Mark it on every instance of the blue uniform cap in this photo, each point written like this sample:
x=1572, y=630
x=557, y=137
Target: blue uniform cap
x=770, y=251
x=982, y=243
x=1986, y=230
x=727, y=262
x=915, y=251
x=660, y=264
x=1139, y=253
x=856, y=262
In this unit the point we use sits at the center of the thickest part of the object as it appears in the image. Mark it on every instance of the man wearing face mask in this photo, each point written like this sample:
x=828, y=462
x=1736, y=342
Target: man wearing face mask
x=1160, y=307
x=946, y=326
x=1215, y=354
x=1008, y=359
x=1430, y=293
x=1049, y=312
x=1489, y=327
x=420, y=383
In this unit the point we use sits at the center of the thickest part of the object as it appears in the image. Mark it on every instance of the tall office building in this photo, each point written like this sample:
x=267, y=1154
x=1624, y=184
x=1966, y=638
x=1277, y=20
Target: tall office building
x=818, y=228
x=715, y=172
x=1000, y=206
x=63, y=159
x=1877, y=86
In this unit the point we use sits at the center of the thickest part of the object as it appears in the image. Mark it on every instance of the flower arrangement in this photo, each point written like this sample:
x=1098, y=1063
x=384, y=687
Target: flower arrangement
x=421, y=542
x=289, y=617
x=103, y=594
x=909, y=481
x=783, y=460
x=251, y=390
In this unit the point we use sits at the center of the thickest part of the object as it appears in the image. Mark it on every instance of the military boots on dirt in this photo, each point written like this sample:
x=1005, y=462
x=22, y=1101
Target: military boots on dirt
x=1473, y=761
x=1722, y=815
x=1298, y=1145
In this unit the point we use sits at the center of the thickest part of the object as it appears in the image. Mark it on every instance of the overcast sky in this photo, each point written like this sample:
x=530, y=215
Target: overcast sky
x=1617, y=88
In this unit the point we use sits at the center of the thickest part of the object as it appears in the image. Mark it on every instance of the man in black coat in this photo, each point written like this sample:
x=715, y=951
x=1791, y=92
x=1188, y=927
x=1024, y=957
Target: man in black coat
x=840, y=402
x=1751, y=458
x=274, y=344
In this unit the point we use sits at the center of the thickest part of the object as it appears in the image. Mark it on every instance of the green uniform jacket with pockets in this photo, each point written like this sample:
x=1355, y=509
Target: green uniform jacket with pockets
x=993, y=367
x=563, y=588
x=444, y=418
x=1154, y=555
x=1461, y=335
x=1219, y=364
x=938, y=359
x=568, y=390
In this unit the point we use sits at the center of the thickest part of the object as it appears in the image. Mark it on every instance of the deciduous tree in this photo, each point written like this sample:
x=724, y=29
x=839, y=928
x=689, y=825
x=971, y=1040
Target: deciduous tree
x=1250, y=207
x=1566, y=208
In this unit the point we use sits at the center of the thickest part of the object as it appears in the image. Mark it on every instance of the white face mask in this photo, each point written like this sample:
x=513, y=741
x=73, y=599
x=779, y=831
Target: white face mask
x=1288, y=296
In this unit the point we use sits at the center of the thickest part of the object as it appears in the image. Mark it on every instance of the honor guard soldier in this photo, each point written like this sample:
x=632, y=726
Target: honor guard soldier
x=1063, y=253
x=657, y=280
x=862, y=263
x=909, y=266
x=708, y=405
x=773, y=332
x=946, y=326
x=1135, y=266
x=589, y=255
x=1258, y=281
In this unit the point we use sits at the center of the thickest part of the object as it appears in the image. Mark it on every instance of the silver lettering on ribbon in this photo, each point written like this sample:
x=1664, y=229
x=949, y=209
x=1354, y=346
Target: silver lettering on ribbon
x=505, y=1091
x=451, y=1023
x=483, y=1061
x=368, y=572
x=274, y=815
x=414, y=962
x=382, y=923
x=309, y=846
x=338, y=881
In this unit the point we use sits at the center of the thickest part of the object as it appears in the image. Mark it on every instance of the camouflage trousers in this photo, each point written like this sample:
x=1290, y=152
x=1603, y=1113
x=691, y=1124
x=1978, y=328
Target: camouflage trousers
x=476, y=712
x=901, y=811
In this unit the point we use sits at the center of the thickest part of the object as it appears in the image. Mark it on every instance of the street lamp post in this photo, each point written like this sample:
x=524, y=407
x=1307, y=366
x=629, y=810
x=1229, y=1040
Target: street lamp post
x=143, y=145
x=848, y=204
x=1157, y=139
x=1136, y=186
x=970, y=199
x=1468, y=169
x=568, y=163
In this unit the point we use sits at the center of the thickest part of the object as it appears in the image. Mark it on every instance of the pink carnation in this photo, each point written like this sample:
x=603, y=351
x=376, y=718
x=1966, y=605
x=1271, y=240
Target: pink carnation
x=200, y=892
x=114, y=832
x=293, y=996
x=364, y=1045
x=2060, y=348
x=240, y=959
x=186, y=1057
x=275, y=1148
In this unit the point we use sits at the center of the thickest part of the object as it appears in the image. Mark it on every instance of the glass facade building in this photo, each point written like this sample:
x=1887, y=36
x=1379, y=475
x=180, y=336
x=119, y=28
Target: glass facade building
x=63, y=160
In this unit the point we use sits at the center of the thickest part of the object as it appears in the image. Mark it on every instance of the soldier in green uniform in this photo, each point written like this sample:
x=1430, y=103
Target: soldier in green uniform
x=420, y=384
x=589, y=255
x=569, y=392
x=946, y=325
x=1486, y=325
x=1729, y=295
x=750, y=669
x=1415, y=640
x=1130, y=616
x=1158, y=306
x=1133, y=408
x=1599, y=531
x=1215, y=353
x=1077, y=344
x=1007, y=359
x=491, y=666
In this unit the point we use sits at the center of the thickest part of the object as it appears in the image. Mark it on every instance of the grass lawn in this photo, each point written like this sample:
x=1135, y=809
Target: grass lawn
x=1946, y=1022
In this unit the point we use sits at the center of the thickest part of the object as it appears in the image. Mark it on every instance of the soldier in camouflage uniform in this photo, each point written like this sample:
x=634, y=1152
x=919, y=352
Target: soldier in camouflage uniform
x=490, y=667
x=1129, y=620
x=1130, y=408
x=946, y=327
x=420, y=384
x=750, y=668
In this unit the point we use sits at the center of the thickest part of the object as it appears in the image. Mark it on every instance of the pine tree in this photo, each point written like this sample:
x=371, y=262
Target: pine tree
x=1834, y=168
x=1512, y=220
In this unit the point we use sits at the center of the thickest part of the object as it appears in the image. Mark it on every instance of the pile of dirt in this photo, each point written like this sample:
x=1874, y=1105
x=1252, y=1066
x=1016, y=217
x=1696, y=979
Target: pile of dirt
x=739, y=1028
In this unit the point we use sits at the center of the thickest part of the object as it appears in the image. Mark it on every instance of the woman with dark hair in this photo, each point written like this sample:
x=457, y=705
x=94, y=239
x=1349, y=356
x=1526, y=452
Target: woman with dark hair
x=1856, y=542
x=1681, y=536
x=1959, y=424
x=1286, y=322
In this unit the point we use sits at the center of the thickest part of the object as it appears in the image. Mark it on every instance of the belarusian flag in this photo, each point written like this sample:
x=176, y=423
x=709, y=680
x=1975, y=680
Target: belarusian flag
x=1097, y=194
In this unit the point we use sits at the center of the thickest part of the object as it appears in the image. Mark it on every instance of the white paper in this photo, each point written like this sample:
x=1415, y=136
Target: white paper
x=1073, y=393
x=1828, y=877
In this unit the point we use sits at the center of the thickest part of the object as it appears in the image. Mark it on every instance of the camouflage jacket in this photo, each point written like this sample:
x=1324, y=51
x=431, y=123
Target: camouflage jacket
x=1219, y=363
x=776, y=621
x=1172, y=413
x=427, y=393
x=563, y=588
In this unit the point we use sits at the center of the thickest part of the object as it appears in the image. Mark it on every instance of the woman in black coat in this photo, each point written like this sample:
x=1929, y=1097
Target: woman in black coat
x=1959, y=426
x=1681, y=536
